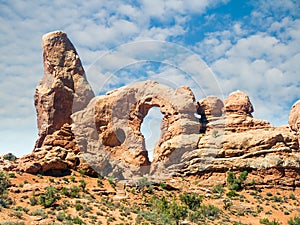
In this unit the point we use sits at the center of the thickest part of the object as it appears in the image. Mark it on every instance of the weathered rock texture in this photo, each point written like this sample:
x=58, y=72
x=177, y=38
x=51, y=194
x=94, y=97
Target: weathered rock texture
x=62, y=91
x=75, y=127
x=237, y=141
x=238, y=103
x=118, y=118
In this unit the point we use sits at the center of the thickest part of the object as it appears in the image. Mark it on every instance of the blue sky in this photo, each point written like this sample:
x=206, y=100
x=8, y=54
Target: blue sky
x=253, y=46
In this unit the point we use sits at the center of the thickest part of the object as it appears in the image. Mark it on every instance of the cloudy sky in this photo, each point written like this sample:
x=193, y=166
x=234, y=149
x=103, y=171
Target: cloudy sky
x=249, y=45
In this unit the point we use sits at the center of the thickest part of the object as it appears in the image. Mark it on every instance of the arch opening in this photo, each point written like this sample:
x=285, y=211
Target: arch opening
x=151, y=129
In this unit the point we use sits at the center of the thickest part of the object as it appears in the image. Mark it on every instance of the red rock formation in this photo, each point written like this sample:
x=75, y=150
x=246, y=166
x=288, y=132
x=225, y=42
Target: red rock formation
x=62, y=91
x=119, y=116
x=75, y=127
x=238, y=103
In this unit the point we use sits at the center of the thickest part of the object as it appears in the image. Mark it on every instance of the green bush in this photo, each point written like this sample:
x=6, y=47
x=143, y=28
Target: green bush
x=82, y=184
x=4, y=182
x=77, y=220
x=191, y=200
x=10, y=157
x=78, y=207
x=12, y=175
x=219, y=189
x=73, y=192
x=33, y=201
x=236, y=183
x=266, y=221
x=39, y=212
x=111, y=182
x=5, y=200
x=60, y=216
x=49, y=198
x=294, y=221
x=177, y=212
x=210, y=211
x=232, y=193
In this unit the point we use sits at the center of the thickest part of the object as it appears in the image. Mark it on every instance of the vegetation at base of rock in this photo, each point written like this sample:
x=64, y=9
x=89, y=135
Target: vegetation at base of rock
x=191, y=200
x=5, y=200
x=49, y=198
x=71, y=203
x=163, y=211
x=266, y=221
x=294, y=221
x=236, y=183
x=4, y=182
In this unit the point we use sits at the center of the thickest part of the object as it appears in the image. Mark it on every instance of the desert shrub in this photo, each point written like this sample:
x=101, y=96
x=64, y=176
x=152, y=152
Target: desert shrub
x=266, y=221
x=4, y=182
x=163, y=185
x=16, y=214
x=294, y=221
x=82, y=184
x=78, y=207
x=232, y=193
x=5, y=200
x=236, y=183
x=72, y=192
x=10, y=157
x=111, y=182
x=12, y=175
x=176, y=212
x=210, y=211
x=47, y=199
x=77, y=220
x=82, y=172
x=292, y=196
x=72, y=179
x=191, y=200
x=60, y=216
x=33, y=201
x=39, y=212
x=219, y=190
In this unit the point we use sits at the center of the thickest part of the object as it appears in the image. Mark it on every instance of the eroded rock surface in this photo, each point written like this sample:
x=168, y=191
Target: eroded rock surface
x=118, y=118
x=79, y=131
x=238, y=102
x=62, y=91
x=237, y=141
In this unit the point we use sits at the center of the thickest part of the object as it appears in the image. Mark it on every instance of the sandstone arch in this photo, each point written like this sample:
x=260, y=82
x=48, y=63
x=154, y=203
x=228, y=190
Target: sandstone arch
x=118, y=117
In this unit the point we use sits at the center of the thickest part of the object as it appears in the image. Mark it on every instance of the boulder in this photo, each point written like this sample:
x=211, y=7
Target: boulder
x=239, y=103
x=210, y=107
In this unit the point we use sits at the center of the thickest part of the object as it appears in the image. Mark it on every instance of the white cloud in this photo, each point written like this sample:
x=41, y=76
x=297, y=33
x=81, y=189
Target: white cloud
x=263, y=64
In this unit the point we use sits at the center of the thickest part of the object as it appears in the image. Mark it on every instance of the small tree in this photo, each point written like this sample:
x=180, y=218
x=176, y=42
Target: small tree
x=191, y=200
x=177, y=212
x=236, y=183
x=4, y=182
x=48, y=199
